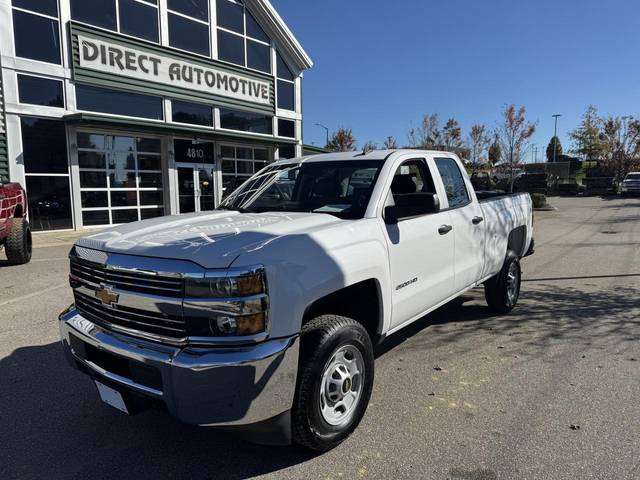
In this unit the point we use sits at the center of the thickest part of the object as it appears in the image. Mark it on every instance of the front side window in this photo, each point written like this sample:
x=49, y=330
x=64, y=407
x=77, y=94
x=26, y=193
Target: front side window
x=454, y=184
x=103, y=100
x=245, y=121
x=36, y=30
x=340, y=188
x=138, y=18
x=193, y=113
x=189, y=25
x=40, y=91
x=241, y=40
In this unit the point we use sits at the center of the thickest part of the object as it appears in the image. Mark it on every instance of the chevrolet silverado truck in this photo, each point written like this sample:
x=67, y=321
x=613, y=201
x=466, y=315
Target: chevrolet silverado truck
x=15, y=233
x=262, y=316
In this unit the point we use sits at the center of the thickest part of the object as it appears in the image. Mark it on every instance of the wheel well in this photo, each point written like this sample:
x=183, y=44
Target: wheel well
x=17, y=213
x=517, y=237
x=360, y=301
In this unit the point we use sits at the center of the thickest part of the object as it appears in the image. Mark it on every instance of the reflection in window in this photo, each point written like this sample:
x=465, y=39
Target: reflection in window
x=40, y=91
x=120, y=178
x=285, y=86
x=138, y=18
x=453, y=182
x=44, y=145
x=193, y=113
x=103, y=100
x=189, y=25
x=49, y=202
x=240, y=39
x=245, y=121
x=36, y=37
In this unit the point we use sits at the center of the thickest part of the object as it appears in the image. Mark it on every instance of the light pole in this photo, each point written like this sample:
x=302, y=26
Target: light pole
x=326, y=129
x=555, y=136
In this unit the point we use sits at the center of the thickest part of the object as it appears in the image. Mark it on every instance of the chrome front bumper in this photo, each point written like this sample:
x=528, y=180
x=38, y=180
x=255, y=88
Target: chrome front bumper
x=214, y=386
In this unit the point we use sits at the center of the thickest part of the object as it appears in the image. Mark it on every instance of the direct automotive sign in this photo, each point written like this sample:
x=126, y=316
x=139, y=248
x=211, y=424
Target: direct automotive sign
x=113, y=58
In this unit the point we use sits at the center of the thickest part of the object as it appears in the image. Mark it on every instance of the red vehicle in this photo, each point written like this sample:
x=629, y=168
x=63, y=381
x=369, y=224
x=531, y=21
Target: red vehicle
x=15, y=233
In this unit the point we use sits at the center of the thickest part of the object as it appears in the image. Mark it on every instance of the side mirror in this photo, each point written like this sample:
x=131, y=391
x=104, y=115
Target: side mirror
x=411, y=205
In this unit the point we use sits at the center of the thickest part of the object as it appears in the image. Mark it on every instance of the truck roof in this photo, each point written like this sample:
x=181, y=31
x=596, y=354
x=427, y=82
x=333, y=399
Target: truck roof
x=356, y=155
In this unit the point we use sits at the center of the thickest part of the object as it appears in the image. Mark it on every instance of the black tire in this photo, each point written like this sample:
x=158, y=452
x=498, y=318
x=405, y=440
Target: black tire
x=320, y=339
x=501, y=293
x=18, y=244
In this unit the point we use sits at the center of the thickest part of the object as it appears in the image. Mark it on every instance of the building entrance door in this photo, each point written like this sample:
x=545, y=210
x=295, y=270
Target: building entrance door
x=196, y=192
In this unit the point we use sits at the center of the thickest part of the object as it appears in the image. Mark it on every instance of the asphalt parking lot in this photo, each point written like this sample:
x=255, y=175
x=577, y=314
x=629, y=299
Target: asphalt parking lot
x=548, y=392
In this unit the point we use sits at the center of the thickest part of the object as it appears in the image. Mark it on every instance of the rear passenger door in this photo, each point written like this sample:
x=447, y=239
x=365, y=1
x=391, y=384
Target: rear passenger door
x=421, y=258
x=468, y=224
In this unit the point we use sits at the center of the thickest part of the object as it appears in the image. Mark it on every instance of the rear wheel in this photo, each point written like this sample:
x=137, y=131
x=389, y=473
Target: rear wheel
x=18, y=244
x=335, y=379
x=503, y=290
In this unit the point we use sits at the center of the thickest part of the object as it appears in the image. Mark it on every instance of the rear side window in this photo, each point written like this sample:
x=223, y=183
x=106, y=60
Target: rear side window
x=453, y=182
x=411, y=177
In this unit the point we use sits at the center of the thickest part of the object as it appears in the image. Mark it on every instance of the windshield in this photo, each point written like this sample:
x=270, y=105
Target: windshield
x=633, y=176
x=340, y=188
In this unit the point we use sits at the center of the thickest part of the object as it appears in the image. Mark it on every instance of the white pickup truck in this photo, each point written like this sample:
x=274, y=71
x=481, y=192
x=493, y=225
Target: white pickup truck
x=261, y=316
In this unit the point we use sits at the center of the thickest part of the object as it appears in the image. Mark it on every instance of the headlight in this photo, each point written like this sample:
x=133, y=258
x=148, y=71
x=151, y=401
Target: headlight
x=227, y=304
x=226, y=285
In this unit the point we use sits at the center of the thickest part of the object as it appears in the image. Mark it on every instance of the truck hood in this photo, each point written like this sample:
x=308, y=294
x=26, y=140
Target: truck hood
x=211, y=239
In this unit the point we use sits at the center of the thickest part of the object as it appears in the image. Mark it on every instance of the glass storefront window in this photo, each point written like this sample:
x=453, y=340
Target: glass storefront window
x=121, y=178
x=104, y=100
x=240, y=39
x=44, y=145
x=40, y=91
x=286, y=128
x=46, y=7
x=239, y=163
x=49, y=200
x=245, y=121
x=36, y=37
x=189, y=25
x=285, y=86
x=192, y=113
x=138, y=18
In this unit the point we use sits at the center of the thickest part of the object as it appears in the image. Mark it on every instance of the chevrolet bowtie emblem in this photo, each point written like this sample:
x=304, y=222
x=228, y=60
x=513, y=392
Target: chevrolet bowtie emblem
x=107, y=296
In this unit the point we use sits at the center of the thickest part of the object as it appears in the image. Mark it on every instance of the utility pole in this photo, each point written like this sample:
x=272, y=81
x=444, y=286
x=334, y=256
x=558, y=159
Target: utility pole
x=326, y=131
x=555, y=136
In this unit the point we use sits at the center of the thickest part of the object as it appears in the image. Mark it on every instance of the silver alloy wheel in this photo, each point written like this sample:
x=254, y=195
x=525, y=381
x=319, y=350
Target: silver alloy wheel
x=341, y=387
x=513, y=283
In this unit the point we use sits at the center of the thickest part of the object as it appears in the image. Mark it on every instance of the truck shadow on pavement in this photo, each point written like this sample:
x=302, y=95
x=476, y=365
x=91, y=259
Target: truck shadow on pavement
x=54, y=426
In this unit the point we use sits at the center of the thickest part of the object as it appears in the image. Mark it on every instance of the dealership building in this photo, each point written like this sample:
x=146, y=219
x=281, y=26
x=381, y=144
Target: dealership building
x=113, y=111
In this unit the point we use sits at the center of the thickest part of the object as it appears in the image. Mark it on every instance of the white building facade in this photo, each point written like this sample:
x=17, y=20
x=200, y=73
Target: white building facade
x=113, y=111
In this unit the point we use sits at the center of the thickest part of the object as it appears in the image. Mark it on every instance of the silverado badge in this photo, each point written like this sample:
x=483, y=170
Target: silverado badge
x=106, y=295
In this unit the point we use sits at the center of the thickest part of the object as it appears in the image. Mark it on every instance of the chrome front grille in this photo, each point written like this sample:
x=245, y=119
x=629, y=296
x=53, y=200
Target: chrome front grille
x=135, y=301
x=144, y=323
x=127, y=279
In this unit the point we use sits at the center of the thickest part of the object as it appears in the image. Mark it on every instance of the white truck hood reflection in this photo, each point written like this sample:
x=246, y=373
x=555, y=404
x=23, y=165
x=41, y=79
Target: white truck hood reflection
x=211, y=239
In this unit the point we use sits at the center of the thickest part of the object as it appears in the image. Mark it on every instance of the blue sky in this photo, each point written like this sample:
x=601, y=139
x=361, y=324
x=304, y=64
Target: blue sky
x=381, y=65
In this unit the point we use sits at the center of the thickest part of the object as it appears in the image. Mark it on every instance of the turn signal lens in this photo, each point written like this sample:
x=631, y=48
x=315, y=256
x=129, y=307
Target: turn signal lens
x=242, y=325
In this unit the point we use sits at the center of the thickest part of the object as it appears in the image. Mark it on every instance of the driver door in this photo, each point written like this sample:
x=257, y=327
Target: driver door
x=421, y=252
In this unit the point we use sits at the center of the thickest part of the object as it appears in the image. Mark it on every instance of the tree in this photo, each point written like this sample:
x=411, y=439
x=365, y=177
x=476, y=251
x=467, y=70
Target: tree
x=426, y=136
x=390, y=143
x=494, y=155
x=554, y=141
x=514, y=132
x=587, y=138
x=478, y=143
x=621, y=139
x=342, y=140
x=369, y=146
x=452, y=135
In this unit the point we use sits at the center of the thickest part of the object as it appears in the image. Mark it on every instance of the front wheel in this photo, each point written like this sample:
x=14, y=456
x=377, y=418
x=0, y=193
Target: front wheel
x=335, y=378
x=503, y=290
x=18, y=244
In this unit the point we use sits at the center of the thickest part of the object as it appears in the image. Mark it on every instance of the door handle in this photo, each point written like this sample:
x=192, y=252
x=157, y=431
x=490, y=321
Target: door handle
x=476, y=220
x=444, y=229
